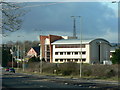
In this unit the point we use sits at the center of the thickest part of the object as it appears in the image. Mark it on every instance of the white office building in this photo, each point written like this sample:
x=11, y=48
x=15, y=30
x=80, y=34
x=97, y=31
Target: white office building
x=76, y=50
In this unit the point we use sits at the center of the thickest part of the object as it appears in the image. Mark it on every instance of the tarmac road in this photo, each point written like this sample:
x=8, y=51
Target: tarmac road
x=24, y=81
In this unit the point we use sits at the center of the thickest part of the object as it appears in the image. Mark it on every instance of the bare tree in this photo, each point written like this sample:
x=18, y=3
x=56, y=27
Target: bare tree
x=11, y=16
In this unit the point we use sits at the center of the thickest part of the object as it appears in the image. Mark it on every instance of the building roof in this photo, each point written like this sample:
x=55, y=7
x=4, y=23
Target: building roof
x=37, y=49
x=70, y=41
x=76, y=41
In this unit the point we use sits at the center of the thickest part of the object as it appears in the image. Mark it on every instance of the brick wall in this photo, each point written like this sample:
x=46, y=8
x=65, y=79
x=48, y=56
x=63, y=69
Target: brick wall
x=52, y=38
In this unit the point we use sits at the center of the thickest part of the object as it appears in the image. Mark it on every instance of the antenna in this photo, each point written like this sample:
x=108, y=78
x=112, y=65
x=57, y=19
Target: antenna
x=74, y=27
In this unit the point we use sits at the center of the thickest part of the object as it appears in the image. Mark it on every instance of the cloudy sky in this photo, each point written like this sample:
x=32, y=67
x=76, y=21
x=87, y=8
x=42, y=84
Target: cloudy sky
x=98, y=20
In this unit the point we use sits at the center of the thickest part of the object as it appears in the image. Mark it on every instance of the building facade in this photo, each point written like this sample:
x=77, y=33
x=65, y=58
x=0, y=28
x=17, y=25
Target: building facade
x=58, y=49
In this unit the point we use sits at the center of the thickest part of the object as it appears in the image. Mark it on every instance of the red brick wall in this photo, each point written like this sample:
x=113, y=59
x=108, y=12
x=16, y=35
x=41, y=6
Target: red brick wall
x=52, y=38
x=42, y=42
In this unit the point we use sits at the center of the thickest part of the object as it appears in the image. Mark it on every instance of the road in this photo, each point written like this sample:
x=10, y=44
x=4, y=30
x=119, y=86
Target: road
x=24, y=81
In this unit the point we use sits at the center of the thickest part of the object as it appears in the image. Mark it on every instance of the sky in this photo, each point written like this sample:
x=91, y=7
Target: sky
x=98, y=20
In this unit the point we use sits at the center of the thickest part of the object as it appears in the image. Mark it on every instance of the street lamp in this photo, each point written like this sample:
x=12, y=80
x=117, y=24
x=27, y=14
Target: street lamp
x=24, y=56
x=80, y=45
x=11, y=50
x=23, y=64
x=40, y=58
x=74, y=34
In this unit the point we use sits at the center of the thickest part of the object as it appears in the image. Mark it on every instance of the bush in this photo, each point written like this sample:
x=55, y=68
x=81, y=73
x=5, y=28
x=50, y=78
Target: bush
x=111, y=73
x=73, y=69
x=87, y=73
x=34, y=59
x=69, y=68
x=66, y=72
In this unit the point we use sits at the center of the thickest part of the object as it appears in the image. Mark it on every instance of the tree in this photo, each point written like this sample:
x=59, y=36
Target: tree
x=6, y=55
x=34, y=59
x=29, y=44
x=116, y=57
x=11, y=16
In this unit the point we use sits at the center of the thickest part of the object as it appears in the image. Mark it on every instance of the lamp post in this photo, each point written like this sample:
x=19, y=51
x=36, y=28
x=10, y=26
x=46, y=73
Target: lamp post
x=80, y=46
x=23, y=64
x=17, y=56
x=24, y=56
x=12, y=55
x=40, y=58
x=118, y=5
x=74, y=17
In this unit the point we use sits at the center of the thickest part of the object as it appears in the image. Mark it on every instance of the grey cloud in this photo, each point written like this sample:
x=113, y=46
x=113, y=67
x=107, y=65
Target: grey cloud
x=97, y=18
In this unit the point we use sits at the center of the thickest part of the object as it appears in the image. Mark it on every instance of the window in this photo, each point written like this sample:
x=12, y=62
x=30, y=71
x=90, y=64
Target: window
x=68, y=53
x=56, y=53
x=83, y=52
x=48, y=48
x=61, y=53
x=76, y=60
x=61, y=60
x=76, y=53
x=70, y=46
x=68, y=60
x=84, y=60
x=56, y=60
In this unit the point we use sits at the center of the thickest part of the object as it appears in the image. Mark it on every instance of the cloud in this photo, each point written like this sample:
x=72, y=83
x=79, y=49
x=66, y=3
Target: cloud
x=56, y=19
x=109, y=35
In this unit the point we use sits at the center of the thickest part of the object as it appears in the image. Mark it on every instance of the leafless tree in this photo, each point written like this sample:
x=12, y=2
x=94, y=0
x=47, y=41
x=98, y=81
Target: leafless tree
x=11, y=16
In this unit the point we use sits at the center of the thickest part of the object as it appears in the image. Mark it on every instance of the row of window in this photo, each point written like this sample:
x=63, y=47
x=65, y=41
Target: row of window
x=70, y=60
x=70, y=46
x=69, y=53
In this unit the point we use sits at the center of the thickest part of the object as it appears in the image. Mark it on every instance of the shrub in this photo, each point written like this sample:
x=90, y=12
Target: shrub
x=111, y=73
x=87, y=72
x=69, y=68
x=34, y=59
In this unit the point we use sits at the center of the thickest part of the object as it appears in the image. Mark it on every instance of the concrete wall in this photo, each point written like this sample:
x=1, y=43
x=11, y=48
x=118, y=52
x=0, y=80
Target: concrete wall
x=97, y=51
x=72, y=54
x=87, y=53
